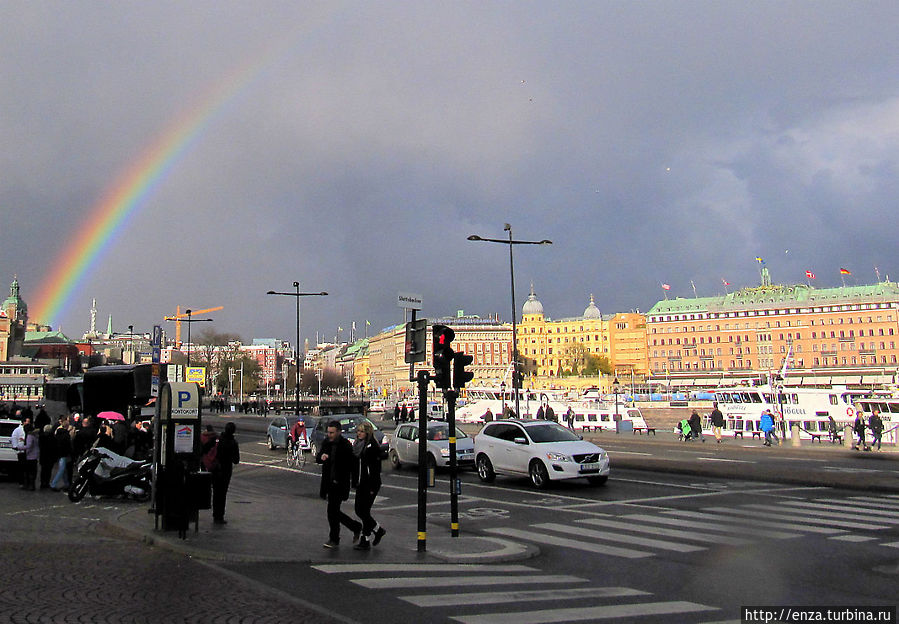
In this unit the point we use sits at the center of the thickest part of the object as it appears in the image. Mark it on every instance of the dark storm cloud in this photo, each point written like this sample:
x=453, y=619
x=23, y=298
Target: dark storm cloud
x=656, y=142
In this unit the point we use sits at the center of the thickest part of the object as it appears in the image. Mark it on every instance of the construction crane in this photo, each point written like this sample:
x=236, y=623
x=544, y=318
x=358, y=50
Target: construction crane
x=178, y=316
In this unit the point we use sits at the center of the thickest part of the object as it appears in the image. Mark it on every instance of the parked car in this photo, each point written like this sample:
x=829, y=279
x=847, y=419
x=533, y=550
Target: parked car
x=280, y=427
x=8, y=456
x=542, y=450
x=404, y=446
x=348, y=424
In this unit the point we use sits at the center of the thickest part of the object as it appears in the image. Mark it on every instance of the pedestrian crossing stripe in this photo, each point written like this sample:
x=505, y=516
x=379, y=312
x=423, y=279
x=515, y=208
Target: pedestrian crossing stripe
x=853, y=538
x=453, y=581
x=865, y=502
x=362, y=568
x=552, y=540
x=774, y=511
x=656, y=530
x=711, y=522
x=618, y=537
x=525, y=595
x=863, y=514
x=729, y=514
x=581, y=614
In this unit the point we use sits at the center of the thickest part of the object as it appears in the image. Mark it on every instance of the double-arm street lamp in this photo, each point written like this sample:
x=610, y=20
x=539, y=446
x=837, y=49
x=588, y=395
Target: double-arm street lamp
x=297, y=294
x=516, y=385
x=189, y=322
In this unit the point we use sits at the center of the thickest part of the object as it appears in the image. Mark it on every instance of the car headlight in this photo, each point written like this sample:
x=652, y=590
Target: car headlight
x=444, y=452
x=559, y=457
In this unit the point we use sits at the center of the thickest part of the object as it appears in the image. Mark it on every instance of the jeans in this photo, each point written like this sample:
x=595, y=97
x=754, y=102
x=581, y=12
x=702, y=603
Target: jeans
x=336, y=517
x=768, y=436
x=61, y=474
x=365, y=498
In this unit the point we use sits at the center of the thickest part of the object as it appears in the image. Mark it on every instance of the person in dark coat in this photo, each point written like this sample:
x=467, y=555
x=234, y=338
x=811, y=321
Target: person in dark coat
x=696, y=426
x=875, y=424
x=47, y=443
x=119, y=437
x=717, y=420
x=85, y=437
x=226, y=457
x=396, y=413
x=339, y=472
x=41, y=420
x=859, y=428
x=63, y=437
x=368, y=452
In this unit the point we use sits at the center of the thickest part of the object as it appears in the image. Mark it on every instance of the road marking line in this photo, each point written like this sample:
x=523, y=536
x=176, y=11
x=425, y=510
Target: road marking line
x=891, y=544
x=722, y=459
x=360, y=568
x=853, y=538
x=617, y=537
x=655, y=530
x=570, y=543
x=628, y=452
x=821, y=509
x=503, y=597
x=771, y=511
x=832, y=519
x=577, y=614
x=743, y=526
x=734, y=515
x=424, y=582
x=867, y=502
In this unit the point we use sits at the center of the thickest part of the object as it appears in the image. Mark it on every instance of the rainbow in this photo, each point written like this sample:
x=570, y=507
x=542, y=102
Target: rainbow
x=132, y=189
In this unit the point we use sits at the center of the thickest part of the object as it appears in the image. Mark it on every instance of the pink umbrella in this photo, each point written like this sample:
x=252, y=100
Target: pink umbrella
x=110, y=416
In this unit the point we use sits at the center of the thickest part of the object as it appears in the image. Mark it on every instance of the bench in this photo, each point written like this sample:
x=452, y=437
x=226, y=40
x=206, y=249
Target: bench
x=648, y=430
x=755, y=434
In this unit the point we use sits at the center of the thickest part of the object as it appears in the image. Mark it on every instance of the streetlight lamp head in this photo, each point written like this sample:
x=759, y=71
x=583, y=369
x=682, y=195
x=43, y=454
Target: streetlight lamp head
x=296, y=284
x=271, y=292
x=545, y=242
x=507, y=227
x=323, y=293
x=474, y=237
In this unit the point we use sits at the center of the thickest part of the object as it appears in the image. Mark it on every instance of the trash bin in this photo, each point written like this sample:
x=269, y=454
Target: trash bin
x=199, y=489
x=624, y=426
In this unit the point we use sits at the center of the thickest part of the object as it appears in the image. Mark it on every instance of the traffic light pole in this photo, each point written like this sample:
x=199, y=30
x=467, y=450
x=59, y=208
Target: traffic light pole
x=451, y=396
x=423, y=379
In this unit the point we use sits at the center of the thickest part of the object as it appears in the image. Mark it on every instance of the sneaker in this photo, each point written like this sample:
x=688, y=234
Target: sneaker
x=356, y=535
x=362, y=545
x=378, y=535
x=330, y=544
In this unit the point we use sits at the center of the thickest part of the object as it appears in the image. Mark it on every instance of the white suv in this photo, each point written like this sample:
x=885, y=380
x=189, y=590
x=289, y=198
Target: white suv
x=543, y=450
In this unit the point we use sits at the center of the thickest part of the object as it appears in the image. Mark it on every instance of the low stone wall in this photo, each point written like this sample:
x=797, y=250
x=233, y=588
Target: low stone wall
x=665, y=418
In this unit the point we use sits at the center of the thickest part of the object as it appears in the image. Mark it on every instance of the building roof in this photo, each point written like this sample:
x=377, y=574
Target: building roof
x=47, y=337
x=532, y=305
x=778, y=296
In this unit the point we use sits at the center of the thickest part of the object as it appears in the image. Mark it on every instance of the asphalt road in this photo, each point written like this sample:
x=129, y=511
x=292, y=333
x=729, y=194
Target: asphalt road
x=648, y=546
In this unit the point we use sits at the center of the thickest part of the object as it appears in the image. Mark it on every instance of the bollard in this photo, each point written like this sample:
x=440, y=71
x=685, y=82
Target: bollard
x=794, y=435
x=848, y=439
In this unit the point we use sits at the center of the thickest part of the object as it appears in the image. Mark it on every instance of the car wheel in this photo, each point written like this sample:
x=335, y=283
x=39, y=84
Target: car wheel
x=394, y=459
x=539, y=475
x=271, y=444
x=485, y=469
x=598, y=480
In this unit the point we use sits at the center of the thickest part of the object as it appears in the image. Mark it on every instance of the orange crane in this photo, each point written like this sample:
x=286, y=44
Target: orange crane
x=178, y=316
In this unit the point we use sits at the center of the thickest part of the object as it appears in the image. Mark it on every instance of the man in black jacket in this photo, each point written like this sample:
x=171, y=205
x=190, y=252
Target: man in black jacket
x=339, y=473
x=226, y=456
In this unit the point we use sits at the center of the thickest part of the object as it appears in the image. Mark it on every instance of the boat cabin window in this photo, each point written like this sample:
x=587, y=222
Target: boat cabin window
x=755, y=397
x=833, y=399
x=795, y=398
x=605, y=417
x=591, y=417
x=745, y=397
x=769, y=398
x=736, y=397
x=739, y=425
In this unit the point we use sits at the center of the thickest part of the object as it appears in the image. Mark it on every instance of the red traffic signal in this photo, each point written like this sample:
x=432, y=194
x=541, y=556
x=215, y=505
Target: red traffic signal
x=442, y=354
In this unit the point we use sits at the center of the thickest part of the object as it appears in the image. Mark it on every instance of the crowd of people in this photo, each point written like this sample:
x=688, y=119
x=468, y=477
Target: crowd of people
x=51, y=449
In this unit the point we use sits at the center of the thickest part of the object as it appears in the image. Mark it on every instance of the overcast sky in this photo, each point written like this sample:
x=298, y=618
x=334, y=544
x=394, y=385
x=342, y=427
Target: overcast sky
x=652, y=142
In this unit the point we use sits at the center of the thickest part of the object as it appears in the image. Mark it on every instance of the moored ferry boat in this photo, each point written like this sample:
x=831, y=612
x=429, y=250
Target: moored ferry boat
x=809, y=408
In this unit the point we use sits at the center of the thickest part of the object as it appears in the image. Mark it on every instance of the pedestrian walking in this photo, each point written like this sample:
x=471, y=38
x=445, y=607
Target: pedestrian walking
x=17, y=441
x=875, y=424
x=545, y=411
x=717, y=420
x=368, y=452
x=339, y=467
x=32, y=455
x=48, y=455
x=569, y=418
x=63, y=437
x=859, y=428
x=396, y=413
x=766, y=425
x=832, y=430
x=227, y=456
x=696, y=426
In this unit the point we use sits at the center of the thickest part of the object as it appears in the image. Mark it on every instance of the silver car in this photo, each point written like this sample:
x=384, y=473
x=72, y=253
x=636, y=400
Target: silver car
x=404, y=446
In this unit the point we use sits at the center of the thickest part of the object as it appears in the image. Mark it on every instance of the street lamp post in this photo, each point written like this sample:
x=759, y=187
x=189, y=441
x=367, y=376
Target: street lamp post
x=616, y=388
x=502, y=393
x=190, y=321
x=516, y=385
x=299, y=364
x=131, y=345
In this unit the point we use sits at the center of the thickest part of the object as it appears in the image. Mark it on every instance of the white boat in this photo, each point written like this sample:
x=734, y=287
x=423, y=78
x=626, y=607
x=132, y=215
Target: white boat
x=590, y=413
x=810, y=408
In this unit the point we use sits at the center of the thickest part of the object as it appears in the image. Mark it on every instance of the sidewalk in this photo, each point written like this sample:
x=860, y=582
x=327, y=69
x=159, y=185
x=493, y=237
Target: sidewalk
x=258, y=531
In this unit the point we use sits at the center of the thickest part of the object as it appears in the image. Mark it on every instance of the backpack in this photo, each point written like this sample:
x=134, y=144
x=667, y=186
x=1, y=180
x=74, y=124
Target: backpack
x=210, y=459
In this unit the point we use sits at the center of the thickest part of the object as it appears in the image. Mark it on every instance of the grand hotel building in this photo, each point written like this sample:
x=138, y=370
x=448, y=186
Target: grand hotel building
x=830, y=335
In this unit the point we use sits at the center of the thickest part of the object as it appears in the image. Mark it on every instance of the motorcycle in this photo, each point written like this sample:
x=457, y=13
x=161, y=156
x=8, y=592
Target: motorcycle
x=102, y=472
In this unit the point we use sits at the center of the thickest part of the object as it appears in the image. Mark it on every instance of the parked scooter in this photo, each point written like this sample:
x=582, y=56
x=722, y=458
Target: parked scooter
x=102, y=472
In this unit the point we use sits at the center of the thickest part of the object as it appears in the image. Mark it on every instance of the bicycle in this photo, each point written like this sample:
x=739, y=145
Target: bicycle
x=296, y=457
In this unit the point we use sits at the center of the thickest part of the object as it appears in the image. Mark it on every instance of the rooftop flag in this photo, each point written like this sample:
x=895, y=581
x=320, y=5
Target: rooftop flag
x=845, y=271
x=810, y=275
x=726, y=283
x=666, y=286
x=759, y=260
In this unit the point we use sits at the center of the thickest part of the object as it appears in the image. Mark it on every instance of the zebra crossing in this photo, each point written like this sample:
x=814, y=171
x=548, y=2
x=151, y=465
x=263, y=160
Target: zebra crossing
x=647, y=534
x=445, y=589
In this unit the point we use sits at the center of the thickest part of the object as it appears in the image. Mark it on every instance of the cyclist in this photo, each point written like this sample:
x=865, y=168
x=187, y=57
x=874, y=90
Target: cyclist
x=298, y=433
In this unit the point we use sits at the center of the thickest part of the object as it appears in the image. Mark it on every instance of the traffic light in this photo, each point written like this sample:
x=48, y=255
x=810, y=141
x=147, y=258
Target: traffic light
x=460, y=375
x=416, y=335
x=518, y=379
x=442, y=354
